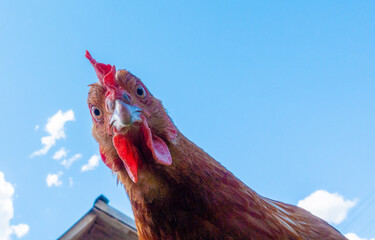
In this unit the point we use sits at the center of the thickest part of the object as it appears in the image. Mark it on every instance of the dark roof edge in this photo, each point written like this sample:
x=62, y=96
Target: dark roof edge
x=80, y=227
x=85, y=222
x=101, y=203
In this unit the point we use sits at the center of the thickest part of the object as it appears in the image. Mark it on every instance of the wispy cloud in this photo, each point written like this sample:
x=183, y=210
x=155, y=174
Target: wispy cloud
x=6, y=212
x=71, y=183
x=92, y=163
x=36, y=127
x=60, y=154
x=55, y=128
x=68, y=162
x=331, y=207
x=353, y=236
x=54, y=179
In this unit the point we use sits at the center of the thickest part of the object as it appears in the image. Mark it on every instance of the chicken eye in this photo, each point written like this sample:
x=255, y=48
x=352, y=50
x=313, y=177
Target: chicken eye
x=96, y=112
x=141, y=91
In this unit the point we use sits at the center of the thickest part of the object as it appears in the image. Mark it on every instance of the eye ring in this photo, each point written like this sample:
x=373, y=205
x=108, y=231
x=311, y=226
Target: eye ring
x=97, y=113
x=140, y=90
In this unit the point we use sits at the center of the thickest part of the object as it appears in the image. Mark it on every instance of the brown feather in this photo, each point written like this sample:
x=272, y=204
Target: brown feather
x=196, y=197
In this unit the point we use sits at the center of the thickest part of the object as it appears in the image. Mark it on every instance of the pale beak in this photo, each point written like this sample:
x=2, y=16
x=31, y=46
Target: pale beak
x=124, y=115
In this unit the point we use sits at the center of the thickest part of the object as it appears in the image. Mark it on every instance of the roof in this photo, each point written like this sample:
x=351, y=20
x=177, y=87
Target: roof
x=102, y=222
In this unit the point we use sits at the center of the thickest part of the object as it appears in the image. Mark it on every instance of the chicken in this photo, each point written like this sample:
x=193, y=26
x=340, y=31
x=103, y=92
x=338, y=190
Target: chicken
x=177, y=191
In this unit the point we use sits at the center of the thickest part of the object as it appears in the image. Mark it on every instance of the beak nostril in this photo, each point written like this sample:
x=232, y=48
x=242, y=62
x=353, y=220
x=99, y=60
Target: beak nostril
x=111, y=123
x=110, y=105
x=126, y=98
x=124, y=115
x=109, y=128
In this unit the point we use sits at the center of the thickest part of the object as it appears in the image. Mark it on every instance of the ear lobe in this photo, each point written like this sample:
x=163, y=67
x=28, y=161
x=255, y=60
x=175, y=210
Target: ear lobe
x=157, y=146
x=160, y=151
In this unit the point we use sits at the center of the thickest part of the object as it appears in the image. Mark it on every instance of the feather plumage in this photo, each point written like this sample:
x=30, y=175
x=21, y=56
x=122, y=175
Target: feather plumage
x=195, y=197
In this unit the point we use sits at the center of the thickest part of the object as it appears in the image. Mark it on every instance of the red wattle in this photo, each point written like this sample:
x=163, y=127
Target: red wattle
x=104, y=158
x=114, y=165
x=129, y=155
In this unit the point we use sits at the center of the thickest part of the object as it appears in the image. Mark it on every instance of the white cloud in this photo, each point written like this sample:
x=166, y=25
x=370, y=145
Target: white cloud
x=21, y=230
x=92, y=163
x=353, y=236
x=71, y=183
x=36, y=127
x=55, y=127
x=68, y=162
x=331, y=207
x=60, y=154
x=6, y=212
x=53, y=179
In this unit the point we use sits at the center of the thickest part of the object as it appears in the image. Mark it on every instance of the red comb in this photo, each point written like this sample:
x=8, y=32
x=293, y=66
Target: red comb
x=105, y=72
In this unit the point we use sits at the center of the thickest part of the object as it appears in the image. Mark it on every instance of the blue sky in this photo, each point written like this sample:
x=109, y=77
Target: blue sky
x=282, y=94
